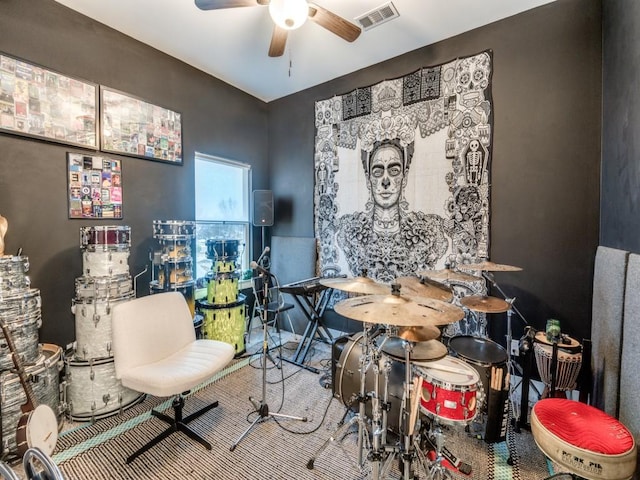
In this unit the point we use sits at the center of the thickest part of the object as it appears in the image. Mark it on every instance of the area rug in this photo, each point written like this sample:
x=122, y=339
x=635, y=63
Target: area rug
x=275, y=448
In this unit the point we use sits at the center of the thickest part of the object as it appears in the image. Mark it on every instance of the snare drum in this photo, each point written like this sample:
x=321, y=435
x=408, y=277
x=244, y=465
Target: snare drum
x=568, y=365
x=225, y=323
x=22, y=316
x=92, y=391
x=105, y=263
x=44, y=377
x=222, y=288
x=93, y=325
x=221, y=249
x=449, y=390
x=105, y=238
x=173, y=229
x=103, y=287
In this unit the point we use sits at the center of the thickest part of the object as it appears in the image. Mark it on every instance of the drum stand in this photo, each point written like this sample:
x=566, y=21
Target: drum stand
x=261, y=406
x=409, y=450
x=358, y=418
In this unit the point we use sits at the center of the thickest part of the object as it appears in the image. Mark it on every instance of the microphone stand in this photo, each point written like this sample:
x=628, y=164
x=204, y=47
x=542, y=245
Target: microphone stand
x=261, y=407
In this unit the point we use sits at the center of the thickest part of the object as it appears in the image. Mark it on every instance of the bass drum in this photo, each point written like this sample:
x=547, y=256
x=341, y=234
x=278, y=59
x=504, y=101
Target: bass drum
x=346, y=380
x=45, y=384
x=92, y=391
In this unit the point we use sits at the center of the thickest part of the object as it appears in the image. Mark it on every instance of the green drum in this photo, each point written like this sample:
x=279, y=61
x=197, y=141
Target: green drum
x=224, y=322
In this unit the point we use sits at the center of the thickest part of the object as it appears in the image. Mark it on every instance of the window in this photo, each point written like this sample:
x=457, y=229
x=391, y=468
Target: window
x=222, y=210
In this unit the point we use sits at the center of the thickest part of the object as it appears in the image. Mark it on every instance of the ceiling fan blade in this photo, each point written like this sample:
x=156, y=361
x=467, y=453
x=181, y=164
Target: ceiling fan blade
x=333, y=23
x=220, y=4
x=278, y=41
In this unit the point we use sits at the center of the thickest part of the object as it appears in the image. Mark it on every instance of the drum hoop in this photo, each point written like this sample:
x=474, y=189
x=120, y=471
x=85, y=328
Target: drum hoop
x=174, y=238
x=478, y=361
x=205, y=305
x=96, y=300
x=564, y=355
x=431, y=377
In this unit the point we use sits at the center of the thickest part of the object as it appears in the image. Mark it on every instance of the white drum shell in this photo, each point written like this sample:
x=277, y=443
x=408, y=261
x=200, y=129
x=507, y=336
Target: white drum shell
x=93, y=325
x=105, y=263
x=45, y=384
x=92, y=390
x=103, y=287
x=21, y=313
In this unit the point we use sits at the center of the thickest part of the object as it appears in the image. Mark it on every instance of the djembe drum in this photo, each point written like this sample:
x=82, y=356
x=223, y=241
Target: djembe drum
x=569, y=361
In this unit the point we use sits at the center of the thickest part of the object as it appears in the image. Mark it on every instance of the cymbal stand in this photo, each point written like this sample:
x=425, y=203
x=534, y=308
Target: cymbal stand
x=514, y=368
x=359, y=418
x=261, y=406
x=409, y=450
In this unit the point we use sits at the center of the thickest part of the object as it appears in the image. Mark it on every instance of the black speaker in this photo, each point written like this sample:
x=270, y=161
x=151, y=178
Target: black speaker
x=262, y=208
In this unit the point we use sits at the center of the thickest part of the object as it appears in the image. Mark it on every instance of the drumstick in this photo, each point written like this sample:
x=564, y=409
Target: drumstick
x=415, y=402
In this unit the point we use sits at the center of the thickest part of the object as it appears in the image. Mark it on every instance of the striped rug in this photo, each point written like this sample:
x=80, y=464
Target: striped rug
x=275, y=448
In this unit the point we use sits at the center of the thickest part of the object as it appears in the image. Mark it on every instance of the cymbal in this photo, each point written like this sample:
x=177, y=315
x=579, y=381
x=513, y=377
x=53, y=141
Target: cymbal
x=483, y=303
x=417, y=334
x=399, y=310
x=425, y=288
x=489, y=267
x=446, y=275
x=363, y=285
x=421, y=351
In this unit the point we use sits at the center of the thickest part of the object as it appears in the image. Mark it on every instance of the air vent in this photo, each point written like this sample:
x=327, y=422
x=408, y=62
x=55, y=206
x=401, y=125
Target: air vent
x=378, y=16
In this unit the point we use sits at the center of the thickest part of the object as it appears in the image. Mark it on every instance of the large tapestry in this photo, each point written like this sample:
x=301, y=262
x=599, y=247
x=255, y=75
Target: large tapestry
x=402, y=172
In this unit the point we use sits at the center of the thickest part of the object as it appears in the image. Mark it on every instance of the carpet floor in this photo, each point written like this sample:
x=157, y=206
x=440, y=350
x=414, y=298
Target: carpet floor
x=275, y=447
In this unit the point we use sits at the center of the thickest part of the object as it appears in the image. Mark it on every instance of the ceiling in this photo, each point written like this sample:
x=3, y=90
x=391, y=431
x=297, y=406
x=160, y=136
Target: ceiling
x=232, y=44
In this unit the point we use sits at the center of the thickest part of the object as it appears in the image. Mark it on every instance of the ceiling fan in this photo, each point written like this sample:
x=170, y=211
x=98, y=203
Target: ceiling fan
x=289, y=15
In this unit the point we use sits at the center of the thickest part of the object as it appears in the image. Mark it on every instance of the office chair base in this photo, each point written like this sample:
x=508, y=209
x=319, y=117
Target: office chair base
x=176, y=424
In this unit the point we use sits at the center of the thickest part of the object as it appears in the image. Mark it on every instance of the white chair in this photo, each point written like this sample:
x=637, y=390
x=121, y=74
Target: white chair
x=155, y=351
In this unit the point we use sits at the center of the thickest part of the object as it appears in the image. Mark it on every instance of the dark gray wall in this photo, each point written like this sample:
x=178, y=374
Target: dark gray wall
x=217, y=119
x=546, y=153
x=620, y=206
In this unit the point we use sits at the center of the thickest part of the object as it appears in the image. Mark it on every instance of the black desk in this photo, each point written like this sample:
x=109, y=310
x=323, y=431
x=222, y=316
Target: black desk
x=312, y=297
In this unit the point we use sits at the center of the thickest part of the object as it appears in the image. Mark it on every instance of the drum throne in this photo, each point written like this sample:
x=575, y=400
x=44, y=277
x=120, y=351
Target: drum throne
x=583, y=440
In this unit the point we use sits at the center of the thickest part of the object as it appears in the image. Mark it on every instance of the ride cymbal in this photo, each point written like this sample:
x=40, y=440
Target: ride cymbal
x=446, y=275
x=421, y=351
x=425, y=287
x=485, y=304
x=399, y=310
x=489, y=267
x=363, y=285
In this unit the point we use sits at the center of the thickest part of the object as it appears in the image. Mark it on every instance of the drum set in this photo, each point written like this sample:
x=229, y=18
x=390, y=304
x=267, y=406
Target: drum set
x=90, y=389
x=402, y=384
x=224, y=310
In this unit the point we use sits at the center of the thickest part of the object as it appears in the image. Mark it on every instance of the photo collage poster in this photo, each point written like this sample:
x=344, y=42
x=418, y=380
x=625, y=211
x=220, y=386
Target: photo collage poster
x=95, y=186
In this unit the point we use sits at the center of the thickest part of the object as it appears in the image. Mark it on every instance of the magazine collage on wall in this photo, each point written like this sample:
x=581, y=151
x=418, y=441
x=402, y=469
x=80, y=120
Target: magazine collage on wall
x=39, y=103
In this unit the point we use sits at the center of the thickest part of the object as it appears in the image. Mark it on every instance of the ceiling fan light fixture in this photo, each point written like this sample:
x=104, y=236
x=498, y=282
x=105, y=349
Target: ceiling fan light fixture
x=289, y=14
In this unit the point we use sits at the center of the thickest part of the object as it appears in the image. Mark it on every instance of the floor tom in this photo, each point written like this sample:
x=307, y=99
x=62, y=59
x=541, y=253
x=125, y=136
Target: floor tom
x=224, y=322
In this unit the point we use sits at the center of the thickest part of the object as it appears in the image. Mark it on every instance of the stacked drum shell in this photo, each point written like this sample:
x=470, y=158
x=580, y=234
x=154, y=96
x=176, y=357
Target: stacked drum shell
x=224, y=309
x=172, y=262
x=20, y=311
x=91, y=390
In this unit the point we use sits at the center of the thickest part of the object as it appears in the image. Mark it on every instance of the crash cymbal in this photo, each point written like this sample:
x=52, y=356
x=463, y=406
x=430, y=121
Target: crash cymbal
x=482, y=303
x=446, y=275
x=399, y=310
x=363, y=285
x=421, y=351
x=489, y=267
x=425, y=287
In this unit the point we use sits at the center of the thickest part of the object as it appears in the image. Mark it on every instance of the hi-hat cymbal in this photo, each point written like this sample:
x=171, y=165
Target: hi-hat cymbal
x=421, y=351
x=446, y=275
x=417, y=334
x=425, y=288
x=489, y=267
x=363, y=285
x=399, y=310
x=482, y=303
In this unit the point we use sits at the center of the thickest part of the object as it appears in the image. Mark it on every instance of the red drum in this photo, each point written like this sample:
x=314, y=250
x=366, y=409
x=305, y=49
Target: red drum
x=102, y=238
x=449, y=389
x=221, y=249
